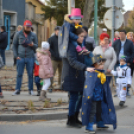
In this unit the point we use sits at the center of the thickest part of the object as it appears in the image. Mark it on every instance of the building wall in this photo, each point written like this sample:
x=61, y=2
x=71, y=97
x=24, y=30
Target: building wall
x=16, y=6
x=38, y=6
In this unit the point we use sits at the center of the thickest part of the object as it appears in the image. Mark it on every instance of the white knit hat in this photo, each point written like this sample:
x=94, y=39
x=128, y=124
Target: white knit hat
x=45, y=45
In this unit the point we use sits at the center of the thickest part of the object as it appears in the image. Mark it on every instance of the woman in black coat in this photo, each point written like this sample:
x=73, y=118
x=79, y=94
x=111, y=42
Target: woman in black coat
x=73, y=78
x=3, y=42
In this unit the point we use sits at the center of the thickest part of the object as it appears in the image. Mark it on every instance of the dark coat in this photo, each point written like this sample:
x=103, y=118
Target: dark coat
x=108, y=110
x=53, y=41
x=73, y=70
x=3, y=40
x=128, y=50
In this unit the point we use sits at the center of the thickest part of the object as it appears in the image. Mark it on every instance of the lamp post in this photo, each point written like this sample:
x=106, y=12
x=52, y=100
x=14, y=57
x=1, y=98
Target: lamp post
x=95, y=19
x=69, y=6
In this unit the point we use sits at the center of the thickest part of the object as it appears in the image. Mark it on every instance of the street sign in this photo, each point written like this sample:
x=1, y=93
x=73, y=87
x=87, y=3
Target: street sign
x=118, y=19
x=109, y=3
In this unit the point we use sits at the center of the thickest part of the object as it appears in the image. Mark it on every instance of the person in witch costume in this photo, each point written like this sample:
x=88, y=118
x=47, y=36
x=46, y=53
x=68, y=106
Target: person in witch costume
x=66, y=33
x=97, y=102
x=124, y=79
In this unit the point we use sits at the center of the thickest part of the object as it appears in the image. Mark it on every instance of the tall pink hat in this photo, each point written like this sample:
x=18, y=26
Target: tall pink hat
x=76, y=12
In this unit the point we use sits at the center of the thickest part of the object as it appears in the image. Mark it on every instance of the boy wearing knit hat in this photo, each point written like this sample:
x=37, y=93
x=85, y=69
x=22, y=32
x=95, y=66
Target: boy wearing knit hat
x=124, y=79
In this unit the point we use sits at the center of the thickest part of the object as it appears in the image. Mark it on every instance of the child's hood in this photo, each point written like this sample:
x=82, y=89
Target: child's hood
x=66, y=18
x=44, y=52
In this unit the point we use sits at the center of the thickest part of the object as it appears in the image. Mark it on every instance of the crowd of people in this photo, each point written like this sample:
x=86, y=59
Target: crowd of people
x=84, y=68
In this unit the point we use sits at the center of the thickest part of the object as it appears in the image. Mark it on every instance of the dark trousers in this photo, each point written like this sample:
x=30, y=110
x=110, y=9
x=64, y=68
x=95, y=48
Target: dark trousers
x=74, y=103
x=2, y=53
x=37, y=82
x=0, y=89
x=95, y=109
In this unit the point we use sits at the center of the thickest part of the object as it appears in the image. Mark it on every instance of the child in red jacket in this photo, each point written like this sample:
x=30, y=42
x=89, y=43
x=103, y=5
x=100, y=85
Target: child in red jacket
x=37, y=78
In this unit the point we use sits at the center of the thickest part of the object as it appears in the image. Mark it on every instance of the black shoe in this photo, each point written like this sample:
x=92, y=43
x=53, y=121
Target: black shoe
x=50, y=90
x=17, y=92
x=77, y=120
x=121, y=104
x=38, y=93
x=72, y=122
x=29, y=92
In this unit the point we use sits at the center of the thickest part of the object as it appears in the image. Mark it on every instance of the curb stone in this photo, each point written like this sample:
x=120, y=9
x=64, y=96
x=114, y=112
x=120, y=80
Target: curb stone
x=32, y=117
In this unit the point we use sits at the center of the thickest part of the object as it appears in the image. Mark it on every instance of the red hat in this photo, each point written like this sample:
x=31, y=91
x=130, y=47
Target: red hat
x=28, y=23
x=104, y=35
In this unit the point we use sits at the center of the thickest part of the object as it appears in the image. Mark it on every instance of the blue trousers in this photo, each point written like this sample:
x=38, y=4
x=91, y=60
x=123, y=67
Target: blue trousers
x=0, y=89
x=75, y=102
x=37, y=82
x=29, y=62
x=2, y=53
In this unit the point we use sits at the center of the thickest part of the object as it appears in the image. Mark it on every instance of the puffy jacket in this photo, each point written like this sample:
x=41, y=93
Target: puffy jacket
x=3, y=40
x=73, y=71
x=24, y=51
x=45, y=64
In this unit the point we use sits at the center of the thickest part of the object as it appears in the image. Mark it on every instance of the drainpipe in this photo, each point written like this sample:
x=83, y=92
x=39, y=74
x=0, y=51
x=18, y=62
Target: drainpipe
x=1, y=13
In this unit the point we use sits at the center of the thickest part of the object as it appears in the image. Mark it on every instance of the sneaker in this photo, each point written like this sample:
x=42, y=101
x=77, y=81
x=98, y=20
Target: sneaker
x=121, y=104
x=115, y=95
x=32, y=93
x=17, y=92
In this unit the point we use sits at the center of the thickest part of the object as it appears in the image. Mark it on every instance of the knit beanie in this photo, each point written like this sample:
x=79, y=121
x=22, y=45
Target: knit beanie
x=45, y=45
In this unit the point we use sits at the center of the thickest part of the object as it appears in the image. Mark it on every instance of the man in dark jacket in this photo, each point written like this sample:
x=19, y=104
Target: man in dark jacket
x=25, y=42
x=56, y=60
x=125, y=47
x=3, y=42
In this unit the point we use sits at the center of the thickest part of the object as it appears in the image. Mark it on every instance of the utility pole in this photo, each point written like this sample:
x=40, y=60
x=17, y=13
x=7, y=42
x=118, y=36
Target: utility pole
x=1, y=13
x=95, y=19
x=113, y=21
x=69, y=6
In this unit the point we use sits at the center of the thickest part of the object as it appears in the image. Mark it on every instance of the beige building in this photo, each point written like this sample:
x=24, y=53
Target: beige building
x=43, y=28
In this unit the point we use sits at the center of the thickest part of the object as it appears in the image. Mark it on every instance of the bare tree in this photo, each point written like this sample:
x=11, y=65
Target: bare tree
x=88, y=9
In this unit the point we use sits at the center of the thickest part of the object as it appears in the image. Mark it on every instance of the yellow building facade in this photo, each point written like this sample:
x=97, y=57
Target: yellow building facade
x=44, y=28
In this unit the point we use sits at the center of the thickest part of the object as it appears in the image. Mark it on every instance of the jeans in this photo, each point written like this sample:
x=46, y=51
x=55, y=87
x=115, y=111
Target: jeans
x=79, y=102
x=37, y=82
x=0, y=89
x=29, y=62
x=2, y=53
x=74, y=103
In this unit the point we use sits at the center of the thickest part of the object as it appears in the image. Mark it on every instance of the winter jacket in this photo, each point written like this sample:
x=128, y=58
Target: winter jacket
x=128, y=50
x=53, y=41
x=21, y=50
x=73, y=70
x=3, y=40
x=45, y=64
x=36, y=69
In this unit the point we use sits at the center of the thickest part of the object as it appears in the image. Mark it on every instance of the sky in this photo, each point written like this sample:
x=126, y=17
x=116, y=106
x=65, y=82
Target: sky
x=129, y=4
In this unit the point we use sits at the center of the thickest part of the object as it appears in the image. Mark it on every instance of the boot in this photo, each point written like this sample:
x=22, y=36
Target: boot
x=85, y=51
x=72, y=122
x=77, y=120
x=100, y=124
x=89, y=128
x=38, y=92
x=79, y=50
x=121, y=104
x=42, y=96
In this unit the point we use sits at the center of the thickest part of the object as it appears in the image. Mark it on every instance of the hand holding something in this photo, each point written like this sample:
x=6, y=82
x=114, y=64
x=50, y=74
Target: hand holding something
x=90, y=69
x=18, y=58
x=30, y=44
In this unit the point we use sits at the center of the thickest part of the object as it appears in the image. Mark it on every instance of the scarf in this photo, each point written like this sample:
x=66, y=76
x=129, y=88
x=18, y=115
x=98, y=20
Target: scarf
x=121, y=66
x=102, y=76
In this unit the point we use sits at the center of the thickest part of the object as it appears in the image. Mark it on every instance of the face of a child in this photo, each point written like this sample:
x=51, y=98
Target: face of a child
x=76, y=21
x=99, y=66
x=122, y=62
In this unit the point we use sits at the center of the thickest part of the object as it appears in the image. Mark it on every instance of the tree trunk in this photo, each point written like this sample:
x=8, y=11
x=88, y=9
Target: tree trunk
x=88, y=8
